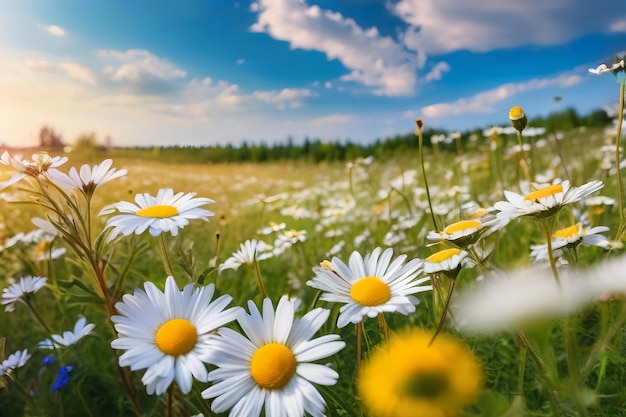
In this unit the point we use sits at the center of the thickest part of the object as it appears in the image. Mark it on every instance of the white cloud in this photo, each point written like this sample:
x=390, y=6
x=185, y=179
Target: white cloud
x=619, y=26
x=138, y=64
x=71, y=69
x=483, y=102
x=55, y=30
x=287, y=97
x=442, y=26
x=437, y=72
x=373, y=60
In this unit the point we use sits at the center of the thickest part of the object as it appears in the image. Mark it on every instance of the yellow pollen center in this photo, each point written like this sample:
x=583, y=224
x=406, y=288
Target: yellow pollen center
x=544, y=192
x=568, y=231
x=176, y=337
x=443, y=255
x=158, y=211
x=272, y=366
x=370, y=291
x=461, y=226
x=516, y=112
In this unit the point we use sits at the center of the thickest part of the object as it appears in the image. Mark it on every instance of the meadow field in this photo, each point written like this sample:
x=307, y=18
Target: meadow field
x=483, y=278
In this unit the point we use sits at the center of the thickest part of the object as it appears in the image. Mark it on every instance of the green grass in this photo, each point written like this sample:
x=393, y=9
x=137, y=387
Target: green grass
x=335, y=204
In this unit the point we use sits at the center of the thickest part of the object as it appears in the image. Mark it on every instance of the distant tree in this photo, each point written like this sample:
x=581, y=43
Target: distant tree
x=48, y=138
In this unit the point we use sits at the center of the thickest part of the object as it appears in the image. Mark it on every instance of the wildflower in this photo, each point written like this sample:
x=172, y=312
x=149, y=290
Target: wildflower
x=272, y=366
x=618, y=69
x=409, y=376
x=543, y=202
x=518, y=119
x=370, y=286
x=167, y=212
x=89, y=178
x=168, y=333
x=571, y=237
x=513, y=300
x=447, y=261
x=17, y=291
x=287, y=239
x=15, y=360
x=69, y=338
x=41, y=163
x=247, y=253
x=272, y=228
x=62, y=379
x=465, y=232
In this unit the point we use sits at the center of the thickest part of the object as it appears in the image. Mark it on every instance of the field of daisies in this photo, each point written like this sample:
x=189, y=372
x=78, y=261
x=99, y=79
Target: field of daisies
x=482, y=279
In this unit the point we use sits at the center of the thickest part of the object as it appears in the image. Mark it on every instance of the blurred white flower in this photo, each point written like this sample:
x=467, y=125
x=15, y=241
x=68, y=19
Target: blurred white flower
x=16, y=292
x=69, y=338
x=510, y=301
x=247, y=253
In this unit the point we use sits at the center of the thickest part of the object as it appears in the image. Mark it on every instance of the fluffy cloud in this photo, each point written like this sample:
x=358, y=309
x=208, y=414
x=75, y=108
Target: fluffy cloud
x=441, y=26
x=483, y=102
x=141, y=70
x=287, y=97
x=437, y=72
x=55, y=30
x=71, y=69
x=373, y=60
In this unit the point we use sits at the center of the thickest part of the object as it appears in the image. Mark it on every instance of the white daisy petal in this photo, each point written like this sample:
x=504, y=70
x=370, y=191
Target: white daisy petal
x=169, y=333
x=273, y=375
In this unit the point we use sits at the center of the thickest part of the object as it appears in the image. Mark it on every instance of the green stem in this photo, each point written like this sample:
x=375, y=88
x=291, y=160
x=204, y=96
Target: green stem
x=421, y=157
x=359, y=341
x=164, y=255
x=444, y=313
x=547, y=225
x=36, y=315
x=543, y=372
x=384, y=329
x=573, y=365
x=259, y=278
x=603, y=342
x=620, y=117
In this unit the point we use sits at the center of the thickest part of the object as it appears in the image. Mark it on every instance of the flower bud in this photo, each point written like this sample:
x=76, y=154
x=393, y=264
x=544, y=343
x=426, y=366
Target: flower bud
x=518, y=119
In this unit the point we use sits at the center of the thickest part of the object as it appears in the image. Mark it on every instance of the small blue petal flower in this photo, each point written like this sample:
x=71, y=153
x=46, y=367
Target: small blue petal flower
x=48, y=360
x=63, y=378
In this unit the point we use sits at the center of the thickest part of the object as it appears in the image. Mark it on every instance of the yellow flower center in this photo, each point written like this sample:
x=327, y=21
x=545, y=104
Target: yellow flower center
x=568, y=231
x=370, y=291
x=516, y=112
x=443, y=255
x=158, y=211
x=273, y=365
x=176, y=337
x=544, y=192
x=427, y=385
x=461, y=226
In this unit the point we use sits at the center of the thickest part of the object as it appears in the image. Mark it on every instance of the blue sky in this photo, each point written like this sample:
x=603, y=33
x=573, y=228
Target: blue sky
x=199, y=72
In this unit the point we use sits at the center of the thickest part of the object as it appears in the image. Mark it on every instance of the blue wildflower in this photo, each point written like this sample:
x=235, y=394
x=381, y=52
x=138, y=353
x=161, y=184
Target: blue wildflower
x=63, y=378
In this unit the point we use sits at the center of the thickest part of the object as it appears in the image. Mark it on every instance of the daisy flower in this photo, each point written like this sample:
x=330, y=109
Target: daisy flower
x=168, y=333
x=517, y=299
x=571, y=237
x=17, y=291
x=545, y=201
x=167, y=212
x=616, y=68
x=41, y=163
x=247, y=253
x=446, y=260
x=465, y=232
x=370, y=286
x=272, y=366
x=69, y=338
x=413, y=375
x=89, y=178
x=15, y=360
